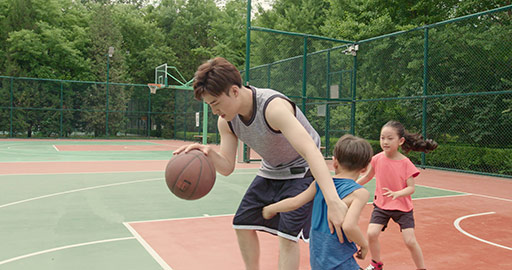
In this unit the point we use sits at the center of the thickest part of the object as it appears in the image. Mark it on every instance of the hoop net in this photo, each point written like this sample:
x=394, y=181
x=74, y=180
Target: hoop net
x=153, y=87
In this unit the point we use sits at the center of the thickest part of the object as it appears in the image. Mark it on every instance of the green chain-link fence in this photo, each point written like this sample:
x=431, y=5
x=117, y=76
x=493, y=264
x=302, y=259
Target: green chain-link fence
x=58, y=108
x=450, y=81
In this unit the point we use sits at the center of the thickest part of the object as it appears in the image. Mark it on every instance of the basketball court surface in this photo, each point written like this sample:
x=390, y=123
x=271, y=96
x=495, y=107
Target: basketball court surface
x=104, y=204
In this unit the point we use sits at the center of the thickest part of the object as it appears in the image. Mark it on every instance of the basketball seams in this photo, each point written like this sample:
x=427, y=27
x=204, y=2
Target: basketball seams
x=182, y=171
x=198, y=181
x=186, y=166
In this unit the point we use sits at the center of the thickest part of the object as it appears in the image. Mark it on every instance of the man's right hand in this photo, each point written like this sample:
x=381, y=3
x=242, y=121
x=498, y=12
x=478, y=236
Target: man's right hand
x=186, y=148
x=336, y=212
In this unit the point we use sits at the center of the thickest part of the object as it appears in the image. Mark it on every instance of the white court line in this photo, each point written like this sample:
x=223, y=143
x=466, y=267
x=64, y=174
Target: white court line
x=83, y=189
x=492, y=197
x=55, y=147
x=148, y=248
x=72, y=173
x=456, y=223
x=468, y=193
x=150, y=171
x=184, y=218
x=442, y=196
x=451, y=190
x=64, y=247
x=78, y=190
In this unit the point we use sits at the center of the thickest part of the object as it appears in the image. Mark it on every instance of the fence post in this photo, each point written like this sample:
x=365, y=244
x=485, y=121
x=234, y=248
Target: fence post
x=106, y=119
x=425, y=92
x=148, y=122
x=12, y=106
x=353, y=105
x=175, y=121
x=327, y=109
x=304, y=74
x=61, y=107
x=247, y=60
x=205, y=123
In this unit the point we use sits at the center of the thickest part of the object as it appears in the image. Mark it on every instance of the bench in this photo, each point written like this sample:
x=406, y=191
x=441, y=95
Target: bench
x=200, y=137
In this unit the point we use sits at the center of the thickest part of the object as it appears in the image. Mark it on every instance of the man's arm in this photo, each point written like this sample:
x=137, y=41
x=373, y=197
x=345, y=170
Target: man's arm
x=280, y=116
x=223, y=160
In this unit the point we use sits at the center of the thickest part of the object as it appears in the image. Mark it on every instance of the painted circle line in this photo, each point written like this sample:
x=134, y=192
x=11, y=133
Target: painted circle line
x=456, y=223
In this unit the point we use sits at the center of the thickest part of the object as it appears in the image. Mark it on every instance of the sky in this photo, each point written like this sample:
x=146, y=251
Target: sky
x=266, y=4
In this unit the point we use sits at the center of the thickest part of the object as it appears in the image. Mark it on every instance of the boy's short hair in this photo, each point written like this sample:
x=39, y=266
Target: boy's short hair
x=215, y=77
x=353, y=153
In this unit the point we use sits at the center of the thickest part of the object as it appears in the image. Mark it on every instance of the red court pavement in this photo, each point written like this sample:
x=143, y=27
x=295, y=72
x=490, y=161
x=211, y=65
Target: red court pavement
x=210, y=242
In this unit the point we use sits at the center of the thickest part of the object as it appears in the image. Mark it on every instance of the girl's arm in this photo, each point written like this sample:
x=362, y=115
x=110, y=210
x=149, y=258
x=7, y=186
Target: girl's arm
x=290, y=204
x=350, y=224
x=367, y=177
x=409, y=190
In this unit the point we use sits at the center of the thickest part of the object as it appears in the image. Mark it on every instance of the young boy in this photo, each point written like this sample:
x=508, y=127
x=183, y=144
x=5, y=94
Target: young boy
x=271, y=124
x=351, y=158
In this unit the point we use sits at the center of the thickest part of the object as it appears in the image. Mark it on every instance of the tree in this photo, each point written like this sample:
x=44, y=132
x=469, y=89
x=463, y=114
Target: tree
x=105, y=33
x=228, y=32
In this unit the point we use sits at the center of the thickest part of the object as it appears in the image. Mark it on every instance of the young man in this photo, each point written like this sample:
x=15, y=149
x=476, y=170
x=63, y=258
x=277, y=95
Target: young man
x=271, y=124
x=328, y=252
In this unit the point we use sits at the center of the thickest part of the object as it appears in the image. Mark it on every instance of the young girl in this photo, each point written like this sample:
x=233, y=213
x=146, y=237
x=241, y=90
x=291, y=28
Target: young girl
x=394, y=174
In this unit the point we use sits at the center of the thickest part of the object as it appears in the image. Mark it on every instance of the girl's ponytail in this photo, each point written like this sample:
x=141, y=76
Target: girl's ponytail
x=413, y=141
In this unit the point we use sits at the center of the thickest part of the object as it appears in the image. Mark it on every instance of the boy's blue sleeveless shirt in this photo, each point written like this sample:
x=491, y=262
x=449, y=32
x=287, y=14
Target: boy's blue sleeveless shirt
x=326, y=252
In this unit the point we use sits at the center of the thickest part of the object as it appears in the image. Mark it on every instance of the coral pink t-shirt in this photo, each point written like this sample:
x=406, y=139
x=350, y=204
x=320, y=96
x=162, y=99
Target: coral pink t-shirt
x=392, y=174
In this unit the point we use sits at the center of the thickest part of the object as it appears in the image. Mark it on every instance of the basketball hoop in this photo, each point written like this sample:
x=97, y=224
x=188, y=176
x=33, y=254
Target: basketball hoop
x=153, y=87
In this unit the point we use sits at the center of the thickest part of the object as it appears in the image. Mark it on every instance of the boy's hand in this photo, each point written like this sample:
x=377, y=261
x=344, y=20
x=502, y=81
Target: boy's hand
x=268, y=213
x=362, y=252
x=390, y=193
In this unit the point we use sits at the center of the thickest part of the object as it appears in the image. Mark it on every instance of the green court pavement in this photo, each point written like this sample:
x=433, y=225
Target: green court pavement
x=44, y=212
x=75, y=220
x=28, y=150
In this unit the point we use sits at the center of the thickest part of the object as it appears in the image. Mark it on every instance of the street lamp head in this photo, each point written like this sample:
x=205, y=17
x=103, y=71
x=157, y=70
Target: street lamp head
x=110, y=51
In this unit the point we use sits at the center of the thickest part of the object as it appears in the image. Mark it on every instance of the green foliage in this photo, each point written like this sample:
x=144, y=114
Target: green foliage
x=468, y=158
x=69, y=40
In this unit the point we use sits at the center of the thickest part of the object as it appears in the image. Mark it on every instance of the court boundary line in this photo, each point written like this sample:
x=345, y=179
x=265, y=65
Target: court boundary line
x=78, y=161
x=444, y=196
x=184, y=218
x=64, y=247
x=147, y=247
x=492, y=197
x=82, y=189
x=159, y=170
x=224, y=215
x=32, y=174
x=78, y=190
x=456, y=223
x=470, y=193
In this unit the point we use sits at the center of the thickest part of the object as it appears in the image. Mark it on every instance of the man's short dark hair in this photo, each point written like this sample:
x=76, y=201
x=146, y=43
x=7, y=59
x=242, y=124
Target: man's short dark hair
x=215, y=77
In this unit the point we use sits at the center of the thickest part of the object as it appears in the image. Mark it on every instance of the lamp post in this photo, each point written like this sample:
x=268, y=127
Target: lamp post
x=110, y=54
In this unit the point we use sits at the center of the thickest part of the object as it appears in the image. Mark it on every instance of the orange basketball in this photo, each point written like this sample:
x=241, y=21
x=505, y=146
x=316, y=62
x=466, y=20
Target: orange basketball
x=191, y=175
